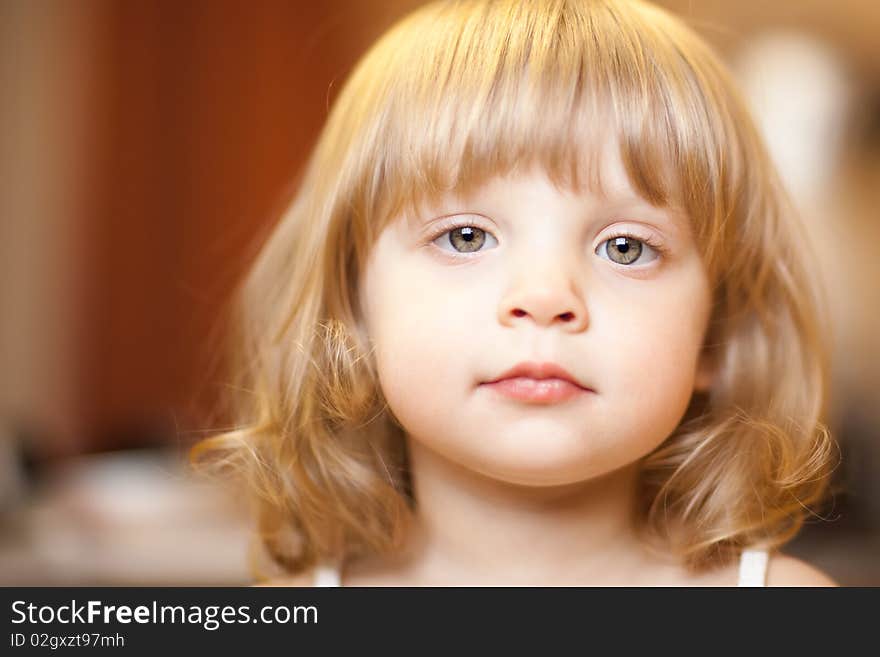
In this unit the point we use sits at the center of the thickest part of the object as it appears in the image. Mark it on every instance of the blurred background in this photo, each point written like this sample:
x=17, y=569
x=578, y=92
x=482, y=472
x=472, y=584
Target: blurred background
x=146, y=146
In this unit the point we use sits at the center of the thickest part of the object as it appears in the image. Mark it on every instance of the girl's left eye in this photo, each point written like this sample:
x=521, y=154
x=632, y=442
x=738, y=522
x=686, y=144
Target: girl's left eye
x=464, y=239
x=627, y=249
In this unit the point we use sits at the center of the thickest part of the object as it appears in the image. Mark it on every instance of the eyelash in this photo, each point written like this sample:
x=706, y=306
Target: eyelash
x=451, y=225
x=660, y=249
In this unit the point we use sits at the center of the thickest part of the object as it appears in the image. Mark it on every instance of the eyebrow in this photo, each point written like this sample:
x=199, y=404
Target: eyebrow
x=672, y=214
x=676, y=217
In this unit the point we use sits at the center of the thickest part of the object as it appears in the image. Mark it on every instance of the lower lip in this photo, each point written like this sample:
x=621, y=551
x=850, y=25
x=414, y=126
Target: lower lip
x=537, y=390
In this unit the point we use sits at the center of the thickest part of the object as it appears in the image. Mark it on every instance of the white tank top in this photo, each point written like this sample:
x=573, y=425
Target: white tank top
x=752, y=570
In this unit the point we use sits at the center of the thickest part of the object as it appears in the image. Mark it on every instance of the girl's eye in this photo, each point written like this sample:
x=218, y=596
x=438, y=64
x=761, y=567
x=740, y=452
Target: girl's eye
x=626, y=249
x=464, y=239
x=622, y=249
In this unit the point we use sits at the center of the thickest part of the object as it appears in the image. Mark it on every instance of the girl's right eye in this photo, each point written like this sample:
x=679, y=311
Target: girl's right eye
x=464, y=238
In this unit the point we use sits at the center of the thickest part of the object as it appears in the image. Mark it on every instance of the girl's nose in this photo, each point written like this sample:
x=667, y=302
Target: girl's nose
x=546, y=297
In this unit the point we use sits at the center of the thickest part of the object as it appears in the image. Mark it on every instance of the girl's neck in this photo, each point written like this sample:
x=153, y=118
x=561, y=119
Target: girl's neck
x=470, y=529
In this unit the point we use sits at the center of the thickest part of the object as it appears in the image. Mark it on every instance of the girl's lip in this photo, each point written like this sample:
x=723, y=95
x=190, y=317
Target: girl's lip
x=547, y=391
x=539, y=371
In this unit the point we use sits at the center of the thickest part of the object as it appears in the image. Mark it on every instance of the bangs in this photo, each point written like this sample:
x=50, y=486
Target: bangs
x=460, y=92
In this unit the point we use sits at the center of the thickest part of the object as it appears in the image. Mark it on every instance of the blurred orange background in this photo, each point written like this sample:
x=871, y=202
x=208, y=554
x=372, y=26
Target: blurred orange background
x=146, y=147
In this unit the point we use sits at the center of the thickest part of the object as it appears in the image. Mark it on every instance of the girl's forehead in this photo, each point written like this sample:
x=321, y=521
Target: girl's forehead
x=603, y=181
x=606, y=99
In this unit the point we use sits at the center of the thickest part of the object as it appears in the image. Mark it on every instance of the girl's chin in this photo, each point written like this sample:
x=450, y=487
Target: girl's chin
x=520, y=470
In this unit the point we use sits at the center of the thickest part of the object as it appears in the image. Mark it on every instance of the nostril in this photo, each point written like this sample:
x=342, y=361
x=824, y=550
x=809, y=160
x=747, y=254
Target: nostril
x=519, y=312
x=567, y=316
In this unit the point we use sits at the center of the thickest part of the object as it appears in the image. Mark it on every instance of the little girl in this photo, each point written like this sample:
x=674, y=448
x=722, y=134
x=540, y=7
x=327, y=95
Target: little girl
x=539, y=314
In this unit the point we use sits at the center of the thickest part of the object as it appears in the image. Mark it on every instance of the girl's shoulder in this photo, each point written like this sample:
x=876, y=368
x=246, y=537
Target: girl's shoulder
x=760, y=568
x=785, y=570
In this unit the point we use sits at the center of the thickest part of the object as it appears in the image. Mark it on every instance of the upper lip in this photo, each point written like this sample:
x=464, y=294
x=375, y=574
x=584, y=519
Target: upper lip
x=534, y=370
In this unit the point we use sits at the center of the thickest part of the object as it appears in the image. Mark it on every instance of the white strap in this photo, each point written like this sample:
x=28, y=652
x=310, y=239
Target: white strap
x=327, y=574
x=753, y=568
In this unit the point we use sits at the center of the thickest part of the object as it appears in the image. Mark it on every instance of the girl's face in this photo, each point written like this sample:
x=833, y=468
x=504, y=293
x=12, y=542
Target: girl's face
x=533, y=273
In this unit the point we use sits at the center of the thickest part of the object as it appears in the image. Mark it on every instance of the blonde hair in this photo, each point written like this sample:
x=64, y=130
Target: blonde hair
x=460, y=91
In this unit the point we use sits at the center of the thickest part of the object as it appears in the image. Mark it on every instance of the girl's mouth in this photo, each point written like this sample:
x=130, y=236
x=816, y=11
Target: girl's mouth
x=542, y=391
